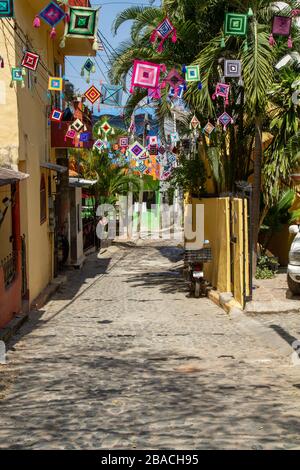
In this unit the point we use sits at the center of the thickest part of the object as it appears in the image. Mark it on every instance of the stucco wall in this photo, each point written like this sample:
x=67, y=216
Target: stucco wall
x=217, y=231
x=25, y=135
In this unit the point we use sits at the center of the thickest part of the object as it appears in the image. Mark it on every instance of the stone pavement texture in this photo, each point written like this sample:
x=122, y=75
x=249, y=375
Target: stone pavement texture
x=122, y=358
x=273, y=295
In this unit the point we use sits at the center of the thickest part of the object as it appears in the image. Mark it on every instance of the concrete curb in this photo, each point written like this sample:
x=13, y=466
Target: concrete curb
x=13, y=326
x=18, y=321
x=48, y=292
x=249, y=325
x=224, y=301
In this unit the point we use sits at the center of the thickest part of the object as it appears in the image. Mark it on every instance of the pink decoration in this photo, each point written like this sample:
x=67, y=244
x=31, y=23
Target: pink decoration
x=145, y=75
x=222, y=90
x=53, y=33
x=163, y=31
x=36, y=22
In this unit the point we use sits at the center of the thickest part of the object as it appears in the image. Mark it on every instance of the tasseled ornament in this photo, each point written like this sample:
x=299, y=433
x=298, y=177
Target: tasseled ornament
x=200, y=86
x=223, y=45
x=250, y=13
x=183, y=69
x=290, y=42
x=37, y=22
x=272, y=41
x=62, y=43
x=246, y=46
x=163, y=31
x=53, y=33
x=95, y=45
x=67, y=18
x=1, y=62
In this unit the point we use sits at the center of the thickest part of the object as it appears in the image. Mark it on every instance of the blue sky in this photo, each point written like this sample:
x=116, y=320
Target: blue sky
x=109, y=10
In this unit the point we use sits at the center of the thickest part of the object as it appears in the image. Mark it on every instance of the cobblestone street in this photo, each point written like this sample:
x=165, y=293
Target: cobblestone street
x=122, y=358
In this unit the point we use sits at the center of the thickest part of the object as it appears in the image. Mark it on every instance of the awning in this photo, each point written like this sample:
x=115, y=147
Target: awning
x=54, y=167
x=81, y=183
x=9, y=176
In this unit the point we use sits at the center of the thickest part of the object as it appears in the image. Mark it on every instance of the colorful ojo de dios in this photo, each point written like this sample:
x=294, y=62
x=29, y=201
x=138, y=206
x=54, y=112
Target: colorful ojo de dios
x=146, y=75
x=82, y=24
x=163, y=31
x=282, y=26
x=17, y=76
x=6, y=8
x=222, y=90
x=192, y=74
x=30, y=60
x=88, y=68
x=175, y=80
x=52, y=14
x=236, y=24
x=225, y=119
x=55, y=84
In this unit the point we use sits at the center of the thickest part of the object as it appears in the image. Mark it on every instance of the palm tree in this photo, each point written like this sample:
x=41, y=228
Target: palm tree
x=236, y=154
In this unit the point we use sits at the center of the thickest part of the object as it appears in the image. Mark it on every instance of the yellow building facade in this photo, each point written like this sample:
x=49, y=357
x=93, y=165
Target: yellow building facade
x=25, y=137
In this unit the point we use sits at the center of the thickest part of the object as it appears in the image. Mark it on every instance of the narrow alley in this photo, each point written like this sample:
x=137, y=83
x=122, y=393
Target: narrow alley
x=122, y=358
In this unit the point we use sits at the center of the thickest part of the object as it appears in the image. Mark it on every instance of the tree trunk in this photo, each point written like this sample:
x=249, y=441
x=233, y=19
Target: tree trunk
x=256, y=189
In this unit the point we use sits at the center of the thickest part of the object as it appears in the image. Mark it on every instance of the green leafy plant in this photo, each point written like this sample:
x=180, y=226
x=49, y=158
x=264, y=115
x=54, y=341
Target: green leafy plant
x=267, y=267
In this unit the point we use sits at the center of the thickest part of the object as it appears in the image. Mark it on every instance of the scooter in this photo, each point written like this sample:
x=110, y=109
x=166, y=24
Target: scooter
x=194, y=263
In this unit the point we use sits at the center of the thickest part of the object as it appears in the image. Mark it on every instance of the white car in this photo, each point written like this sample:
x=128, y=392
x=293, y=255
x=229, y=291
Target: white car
x=294, y=262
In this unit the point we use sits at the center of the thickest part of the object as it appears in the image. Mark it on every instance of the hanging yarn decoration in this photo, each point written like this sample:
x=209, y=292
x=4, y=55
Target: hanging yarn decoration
x=146, y=75
x=154, y=94
x=1, y=62
x=30, y=60
x=7, y=9
x=17, y=76
x=232, y=68
x=82, y=24
x=282, y=26
x=236, y=24
x=225, y=119
x=106, y=129
x=163, y=31
x=52, y=14
x=222, y=90
x=208, y=130
x=176, y=82
x=111, y=94
x=192, y=74
x=88, y=68
x=195, y=123
x=70, y=135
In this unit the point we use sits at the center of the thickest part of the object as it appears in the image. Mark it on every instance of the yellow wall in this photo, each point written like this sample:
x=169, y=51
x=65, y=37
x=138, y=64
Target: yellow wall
x=24, y=130
x=217, y=231
x=240, y=249
x=223, y=217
